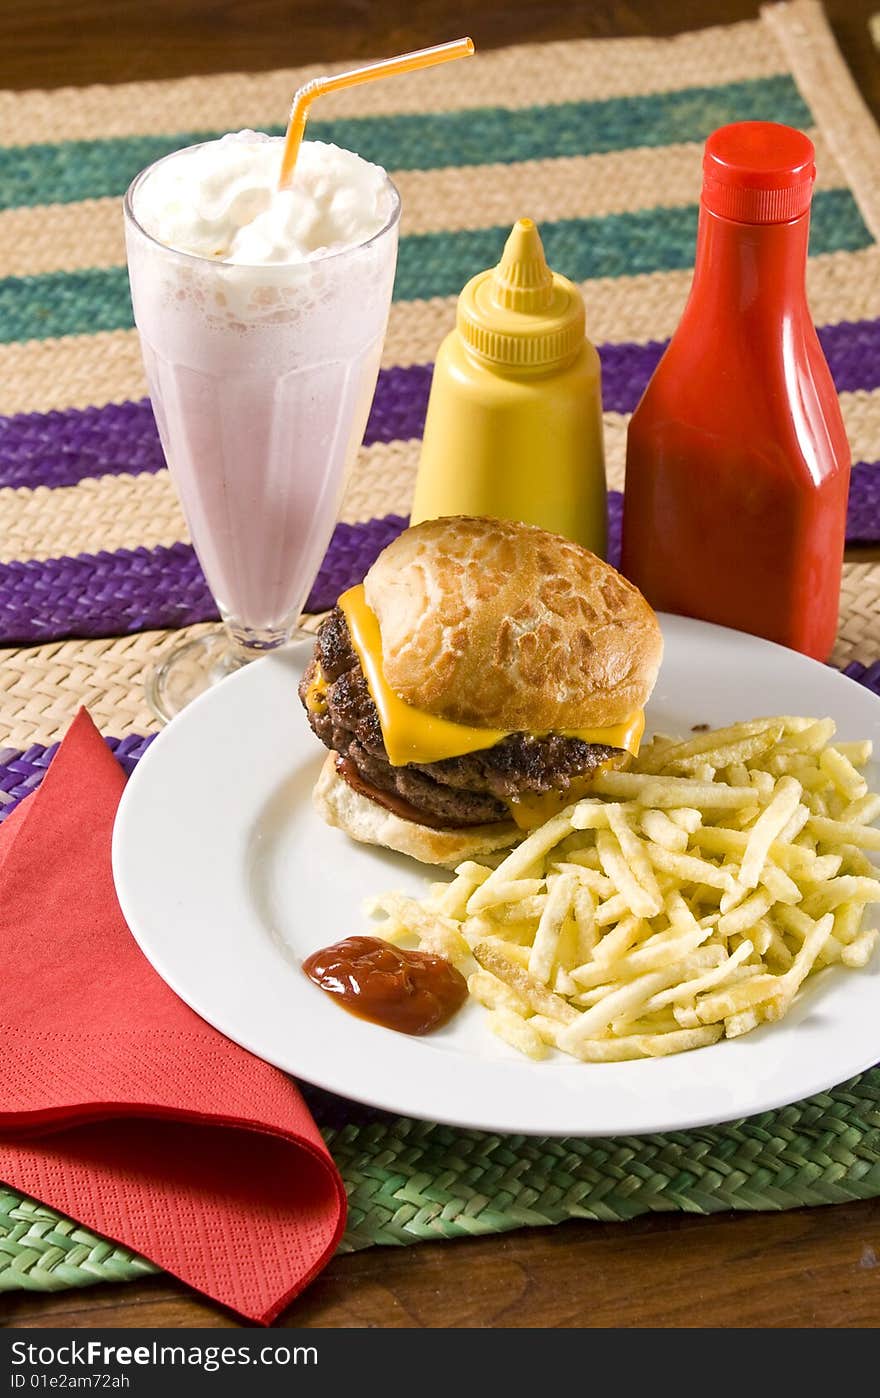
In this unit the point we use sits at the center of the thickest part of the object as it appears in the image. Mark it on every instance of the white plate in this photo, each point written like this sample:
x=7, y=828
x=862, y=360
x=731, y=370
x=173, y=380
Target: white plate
x=228, y=880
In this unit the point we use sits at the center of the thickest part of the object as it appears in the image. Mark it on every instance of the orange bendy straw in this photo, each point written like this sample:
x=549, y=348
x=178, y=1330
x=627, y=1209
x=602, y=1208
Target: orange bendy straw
x=386, y=68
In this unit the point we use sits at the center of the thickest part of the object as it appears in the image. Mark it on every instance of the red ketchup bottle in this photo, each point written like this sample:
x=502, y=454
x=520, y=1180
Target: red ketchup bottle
x=737, y=464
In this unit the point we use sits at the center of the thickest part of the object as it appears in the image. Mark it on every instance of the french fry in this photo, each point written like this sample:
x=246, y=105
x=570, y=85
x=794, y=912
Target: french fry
x=468, y=876
x=546, y=1028
x=795, y=825
x=542, y=1000
x=620, y=1001
x=744, y=917
x=618, y=940
x=641, y=901
x=494, y=994
x=711, y=1008
x=635, y=854
x=549, y=929
x=518, y=1033
x=654, y=955
x=611, y=911
x=664, y=1022
x=588, y=856
x=728, y=972
x=642, y=1045
x=860, y=949
x=862, y=812
x=852, y=861
x=849, y=782
x=439, y=935
x=803, y=962
x=802, y=928
x=585, y=998
x=821, y=868
x=516, y=863
x=666, y=792
x=510, y=891
x=777, y=954
x=742, y=1023
x=663, y=831
x=689, y=868
x=763, y=783
x=564, y=985
x=738, y=753
x=761, y=936
x=848, y=921
x=715, y=839
x=846, y=888
x=736, y=774
x=516, y=952
x=812, y=738
x=679, y=914
x=590, y=878
x=844, y=832
x=672, y=755
x=778, y=884
x=526, y=910
x=585, y=922
x=858, y=753
x=765, y=830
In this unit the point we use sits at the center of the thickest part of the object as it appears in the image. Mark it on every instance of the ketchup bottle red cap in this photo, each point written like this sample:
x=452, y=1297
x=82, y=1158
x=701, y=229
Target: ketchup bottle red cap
x=758, y=172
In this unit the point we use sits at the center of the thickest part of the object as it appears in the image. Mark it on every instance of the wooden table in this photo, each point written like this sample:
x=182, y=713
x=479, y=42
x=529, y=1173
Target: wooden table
x=808, y=1267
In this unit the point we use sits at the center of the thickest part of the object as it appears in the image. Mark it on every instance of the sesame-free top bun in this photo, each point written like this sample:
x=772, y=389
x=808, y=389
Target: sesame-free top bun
x=503, y=625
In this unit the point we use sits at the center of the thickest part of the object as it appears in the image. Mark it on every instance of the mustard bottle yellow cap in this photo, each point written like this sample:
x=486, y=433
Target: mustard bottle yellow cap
x=520, y=314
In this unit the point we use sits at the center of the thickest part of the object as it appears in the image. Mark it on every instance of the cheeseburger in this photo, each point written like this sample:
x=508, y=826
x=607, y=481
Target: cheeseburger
x=473, y=685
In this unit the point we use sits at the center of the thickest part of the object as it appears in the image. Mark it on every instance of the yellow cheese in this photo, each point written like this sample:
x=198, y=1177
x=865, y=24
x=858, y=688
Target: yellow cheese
x=414, y=736
x=316, y=694
x=531, y=811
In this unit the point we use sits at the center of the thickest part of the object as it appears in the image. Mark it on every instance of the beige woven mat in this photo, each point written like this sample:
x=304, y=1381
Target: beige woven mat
x=41, y=686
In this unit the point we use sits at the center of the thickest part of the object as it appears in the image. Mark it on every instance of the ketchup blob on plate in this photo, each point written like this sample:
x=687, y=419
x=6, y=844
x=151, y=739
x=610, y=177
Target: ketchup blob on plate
x=410, y=991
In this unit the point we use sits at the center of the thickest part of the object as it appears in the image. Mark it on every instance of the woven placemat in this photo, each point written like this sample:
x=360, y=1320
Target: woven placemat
x=96, y=571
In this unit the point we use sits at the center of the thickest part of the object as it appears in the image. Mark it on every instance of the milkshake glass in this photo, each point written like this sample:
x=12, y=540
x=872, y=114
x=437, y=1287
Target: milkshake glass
x=261, y=378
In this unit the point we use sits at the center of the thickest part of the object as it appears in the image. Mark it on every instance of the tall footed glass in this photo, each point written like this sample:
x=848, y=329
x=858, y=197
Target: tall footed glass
x=261, y=379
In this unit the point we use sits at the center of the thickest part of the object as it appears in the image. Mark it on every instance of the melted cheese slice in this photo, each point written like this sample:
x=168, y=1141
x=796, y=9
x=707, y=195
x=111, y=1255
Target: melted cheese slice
x=414, y=736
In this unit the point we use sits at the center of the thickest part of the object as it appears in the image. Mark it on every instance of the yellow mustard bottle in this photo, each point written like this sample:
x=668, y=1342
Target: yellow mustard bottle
x=514, y=423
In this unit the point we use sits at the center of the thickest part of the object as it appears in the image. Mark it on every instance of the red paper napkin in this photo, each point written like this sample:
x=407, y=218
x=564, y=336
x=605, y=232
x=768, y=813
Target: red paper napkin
x=118, y=1105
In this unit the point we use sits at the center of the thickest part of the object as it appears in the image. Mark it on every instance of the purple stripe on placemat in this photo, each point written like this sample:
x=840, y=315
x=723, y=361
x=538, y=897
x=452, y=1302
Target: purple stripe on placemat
x=111, y=594
x=22, y=772
x=102, y=594
x=852, y=349
x=400, y=404
x=863, y=511
x=61, y=448
x=615, y=525
x=868, y=675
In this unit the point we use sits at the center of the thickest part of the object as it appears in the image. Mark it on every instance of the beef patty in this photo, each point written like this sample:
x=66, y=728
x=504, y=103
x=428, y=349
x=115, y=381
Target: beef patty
x=458, y=791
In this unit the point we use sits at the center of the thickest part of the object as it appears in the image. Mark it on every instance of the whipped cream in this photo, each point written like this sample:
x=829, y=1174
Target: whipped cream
x=221, y=200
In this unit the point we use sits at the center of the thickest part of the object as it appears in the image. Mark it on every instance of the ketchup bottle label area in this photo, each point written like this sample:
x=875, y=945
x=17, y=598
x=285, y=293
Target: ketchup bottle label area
x=737, y=466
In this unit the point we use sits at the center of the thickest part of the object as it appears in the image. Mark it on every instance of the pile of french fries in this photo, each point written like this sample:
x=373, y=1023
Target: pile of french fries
x=685, y=900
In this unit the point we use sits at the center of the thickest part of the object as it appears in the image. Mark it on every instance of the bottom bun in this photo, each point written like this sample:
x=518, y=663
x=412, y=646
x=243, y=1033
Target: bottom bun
x=365, y=820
